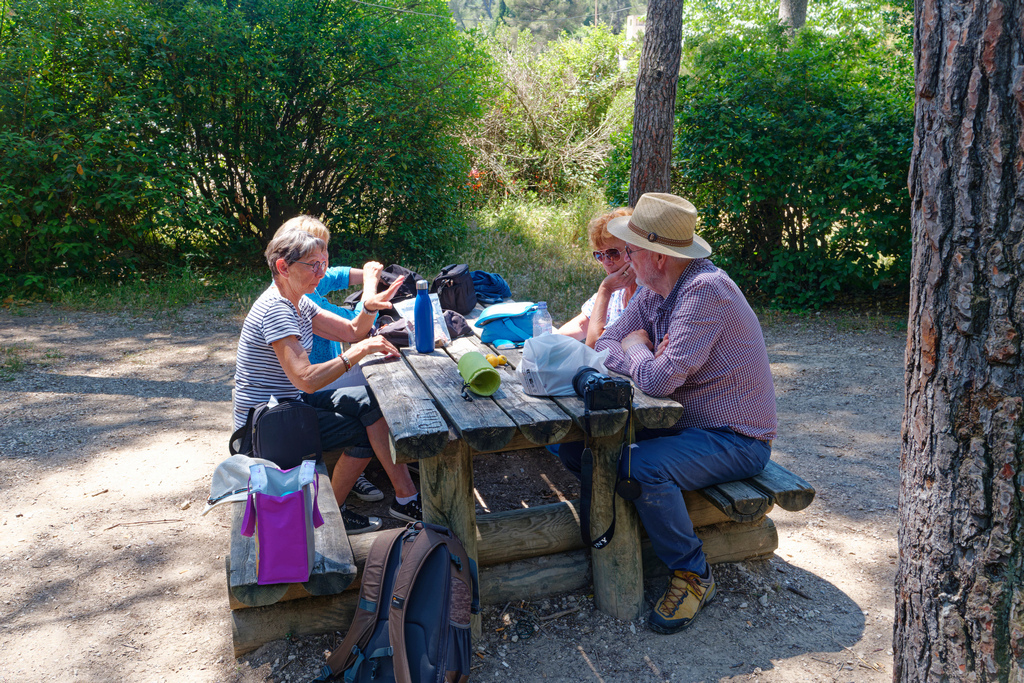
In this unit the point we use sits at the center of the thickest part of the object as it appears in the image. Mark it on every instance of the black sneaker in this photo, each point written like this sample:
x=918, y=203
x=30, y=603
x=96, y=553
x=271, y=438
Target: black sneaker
x=356, y=523
x=410, y=512
x=364, y=490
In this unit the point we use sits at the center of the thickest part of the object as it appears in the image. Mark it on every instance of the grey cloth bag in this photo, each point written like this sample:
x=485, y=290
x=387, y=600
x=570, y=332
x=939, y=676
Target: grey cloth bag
x=230, y=482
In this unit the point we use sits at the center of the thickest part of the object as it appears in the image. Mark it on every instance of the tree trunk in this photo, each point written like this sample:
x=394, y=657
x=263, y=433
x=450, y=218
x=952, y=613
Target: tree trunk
x=960, y=582
x=793, y=13
x=654, y=111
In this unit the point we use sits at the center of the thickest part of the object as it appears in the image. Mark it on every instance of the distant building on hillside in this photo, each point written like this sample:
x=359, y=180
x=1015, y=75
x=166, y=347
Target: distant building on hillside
x=634, y=26
x=634, y=30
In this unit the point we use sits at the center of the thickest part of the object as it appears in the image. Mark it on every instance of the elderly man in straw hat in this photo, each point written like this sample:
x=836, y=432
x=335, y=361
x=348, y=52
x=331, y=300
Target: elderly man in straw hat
x=689, y=335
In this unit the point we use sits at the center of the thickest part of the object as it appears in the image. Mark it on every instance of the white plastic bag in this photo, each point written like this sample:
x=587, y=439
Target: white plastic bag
x=550, y=361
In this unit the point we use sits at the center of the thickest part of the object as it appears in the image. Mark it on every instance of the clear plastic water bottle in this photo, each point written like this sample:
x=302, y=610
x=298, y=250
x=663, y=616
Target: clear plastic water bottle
x=423, y=319
x=541, y=319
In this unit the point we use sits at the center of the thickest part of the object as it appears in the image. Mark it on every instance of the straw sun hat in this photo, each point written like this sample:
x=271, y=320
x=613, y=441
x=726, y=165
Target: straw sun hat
x=663, y=223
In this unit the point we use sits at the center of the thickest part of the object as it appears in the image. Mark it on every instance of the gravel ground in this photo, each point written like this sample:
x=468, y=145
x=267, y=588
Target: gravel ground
x=110, y=426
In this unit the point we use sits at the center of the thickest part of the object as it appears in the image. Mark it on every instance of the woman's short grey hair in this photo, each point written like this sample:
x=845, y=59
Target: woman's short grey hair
x=292, y=246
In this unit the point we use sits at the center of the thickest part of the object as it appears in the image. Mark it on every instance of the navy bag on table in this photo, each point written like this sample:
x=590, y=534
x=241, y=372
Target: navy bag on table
x=490, y=288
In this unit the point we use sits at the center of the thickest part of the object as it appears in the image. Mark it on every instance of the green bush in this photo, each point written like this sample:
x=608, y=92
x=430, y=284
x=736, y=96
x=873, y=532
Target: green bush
x=139, y=133
x=547, y=129
x=338, y=109
x=796, y=155
x=76, y=153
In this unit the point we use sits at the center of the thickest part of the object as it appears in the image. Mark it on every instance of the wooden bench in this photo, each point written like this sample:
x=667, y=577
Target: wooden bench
x=530, y=552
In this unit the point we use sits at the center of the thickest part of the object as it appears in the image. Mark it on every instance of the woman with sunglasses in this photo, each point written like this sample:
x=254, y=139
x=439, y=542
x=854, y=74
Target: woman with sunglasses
x=615, y=291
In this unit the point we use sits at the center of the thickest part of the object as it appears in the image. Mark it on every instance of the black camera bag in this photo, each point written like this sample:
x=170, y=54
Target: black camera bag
x=454, y=288
x=285, y=434
x=406, y=290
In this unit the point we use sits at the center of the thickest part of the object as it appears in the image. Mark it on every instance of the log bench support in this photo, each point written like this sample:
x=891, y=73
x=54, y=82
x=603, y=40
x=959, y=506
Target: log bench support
x=526, y=554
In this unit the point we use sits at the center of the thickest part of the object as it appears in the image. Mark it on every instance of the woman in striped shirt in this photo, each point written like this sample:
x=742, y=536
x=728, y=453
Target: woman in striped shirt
x=273, y=360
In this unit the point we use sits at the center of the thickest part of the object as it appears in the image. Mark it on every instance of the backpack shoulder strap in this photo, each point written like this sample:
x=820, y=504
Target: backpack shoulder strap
x=367, y=611
x=241, y=439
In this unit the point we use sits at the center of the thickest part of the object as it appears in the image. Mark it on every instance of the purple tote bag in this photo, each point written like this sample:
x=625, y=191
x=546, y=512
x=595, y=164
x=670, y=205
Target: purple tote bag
x=282, y=511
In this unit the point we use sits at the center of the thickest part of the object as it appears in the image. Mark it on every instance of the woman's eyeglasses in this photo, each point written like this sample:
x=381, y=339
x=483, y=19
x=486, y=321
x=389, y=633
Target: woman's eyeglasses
x=610, y=254
x=316, y=266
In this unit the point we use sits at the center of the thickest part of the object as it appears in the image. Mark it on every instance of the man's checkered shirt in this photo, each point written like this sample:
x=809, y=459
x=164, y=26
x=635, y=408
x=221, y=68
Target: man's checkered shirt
x=716, y=363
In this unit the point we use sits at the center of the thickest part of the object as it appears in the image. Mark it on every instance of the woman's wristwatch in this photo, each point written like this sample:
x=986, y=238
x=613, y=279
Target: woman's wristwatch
x=344, y=359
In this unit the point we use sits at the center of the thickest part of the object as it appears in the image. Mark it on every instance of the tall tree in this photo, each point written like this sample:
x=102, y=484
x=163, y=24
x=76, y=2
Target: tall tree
x=654, y=111
x=793, y=13
x=959, y=603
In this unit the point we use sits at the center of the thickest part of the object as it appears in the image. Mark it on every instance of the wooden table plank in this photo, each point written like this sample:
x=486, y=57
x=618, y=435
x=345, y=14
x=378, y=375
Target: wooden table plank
x=650, y=411
x=538, y=418
x=483, y=425
x=653, y=412
x=417, y=428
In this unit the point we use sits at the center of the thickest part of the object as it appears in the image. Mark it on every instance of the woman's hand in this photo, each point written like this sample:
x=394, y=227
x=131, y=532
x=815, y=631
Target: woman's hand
x=372, y=271
x=381, y=300
x=370, y=345
x=619, y=279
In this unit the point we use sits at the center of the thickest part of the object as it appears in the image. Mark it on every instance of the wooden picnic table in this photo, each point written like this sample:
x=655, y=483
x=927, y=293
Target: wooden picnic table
x=523, y=553
x=421, y=398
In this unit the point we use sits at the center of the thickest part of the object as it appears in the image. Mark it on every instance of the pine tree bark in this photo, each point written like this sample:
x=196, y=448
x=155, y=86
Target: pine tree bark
x=960, y=581
x=793, y=13
x=654, y=111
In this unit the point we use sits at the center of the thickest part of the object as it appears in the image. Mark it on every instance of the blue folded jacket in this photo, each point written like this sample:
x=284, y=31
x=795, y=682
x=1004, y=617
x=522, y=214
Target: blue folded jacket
x=490, y=288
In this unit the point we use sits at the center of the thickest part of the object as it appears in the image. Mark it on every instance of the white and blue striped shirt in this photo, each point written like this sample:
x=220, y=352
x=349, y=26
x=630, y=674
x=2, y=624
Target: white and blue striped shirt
x=258, y=373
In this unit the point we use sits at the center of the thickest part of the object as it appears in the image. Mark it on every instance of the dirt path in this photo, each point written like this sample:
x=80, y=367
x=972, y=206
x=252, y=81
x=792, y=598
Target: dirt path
x=110, y=427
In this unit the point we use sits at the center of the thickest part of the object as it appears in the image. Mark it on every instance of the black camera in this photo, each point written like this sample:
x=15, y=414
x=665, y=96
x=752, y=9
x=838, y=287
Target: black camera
x=601, y=392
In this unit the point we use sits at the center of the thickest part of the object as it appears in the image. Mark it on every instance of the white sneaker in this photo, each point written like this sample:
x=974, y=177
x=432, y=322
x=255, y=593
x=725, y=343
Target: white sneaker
x=364, y=490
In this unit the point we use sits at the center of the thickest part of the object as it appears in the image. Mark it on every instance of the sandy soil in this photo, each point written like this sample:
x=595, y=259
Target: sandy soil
x=110, y=427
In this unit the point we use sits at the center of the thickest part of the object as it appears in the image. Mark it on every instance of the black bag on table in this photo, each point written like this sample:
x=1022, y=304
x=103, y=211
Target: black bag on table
x=387, y=278
x=285, y=434
x=419, y=588
x=454, y=288
x=395, y=331
x=457, y=325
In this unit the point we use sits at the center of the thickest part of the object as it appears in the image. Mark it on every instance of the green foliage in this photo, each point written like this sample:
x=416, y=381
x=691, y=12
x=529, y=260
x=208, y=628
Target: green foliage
x=338, y=109
x=715, y=19
x=76, y=153
x=547, y=129
x=539, y=245
x=545, y=19
x=11, y=362
x=796, y=155
x=133, y=133
x=166, y=291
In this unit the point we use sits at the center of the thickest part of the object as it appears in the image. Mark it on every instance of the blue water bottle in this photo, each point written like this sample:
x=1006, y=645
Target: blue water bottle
x=423, y=319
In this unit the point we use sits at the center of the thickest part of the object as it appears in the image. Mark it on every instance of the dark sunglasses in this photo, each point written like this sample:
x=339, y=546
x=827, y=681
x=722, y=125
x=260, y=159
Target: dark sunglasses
x=610, y=254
